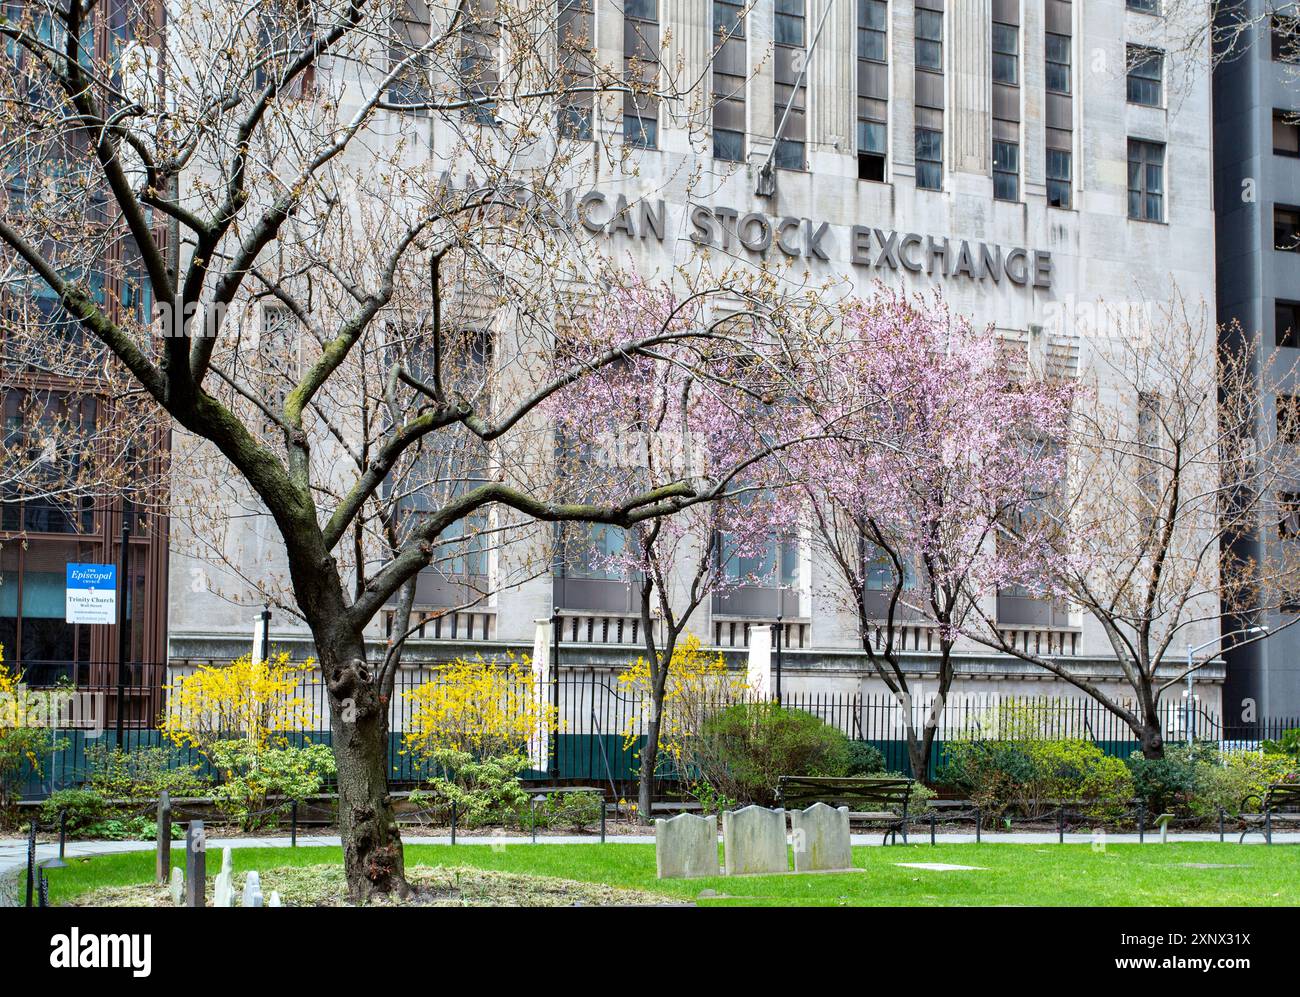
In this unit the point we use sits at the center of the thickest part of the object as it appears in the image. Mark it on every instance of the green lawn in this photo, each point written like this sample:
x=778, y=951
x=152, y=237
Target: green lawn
x=1072, y=875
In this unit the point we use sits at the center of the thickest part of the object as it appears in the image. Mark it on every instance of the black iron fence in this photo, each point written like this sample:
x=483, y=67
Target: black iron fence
x=602, y=721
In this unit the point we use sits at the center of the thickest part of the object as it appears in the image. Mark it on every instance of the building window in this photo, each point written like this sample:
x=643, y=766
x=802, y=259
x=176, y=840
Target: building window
x=1145, y=6
x=873, y=89
x=1288, y=418
x=1058, y=63
x=641, y=69
x=1286, y=228
x=929, y=159
x=788, y=28
x=1145, y=75
x=729, y=74
x=1146, y=181
x=575, y=48
x=1059, y=178
x=873, y=26
x=790, y=95
x=1286, y=323
x=1006, y=171
x=410, y=33
x=929, y=39
x=1006, y=53
x=1288, y=515
x=1285, y=31
x=479, y=72
x=1286, y=133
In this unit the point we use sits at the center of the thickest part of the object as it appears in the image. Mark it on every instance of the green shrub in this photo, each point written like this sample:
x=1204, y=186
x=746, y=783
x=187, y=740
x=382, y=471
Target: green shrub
x=1170, y=784
x=84, y=808
x=484, y=790
x=747, y=747
x=1032, y=777
x=865, y=759
x=574, y=811
x=141, y=774
x=1288, y=744
x=253, y=774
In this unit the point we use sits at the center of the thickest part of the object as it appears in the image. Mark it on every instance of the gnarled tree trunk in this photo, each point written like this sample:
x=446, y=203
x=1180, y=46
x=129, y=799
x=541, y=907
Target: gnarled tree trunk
x=372, y=843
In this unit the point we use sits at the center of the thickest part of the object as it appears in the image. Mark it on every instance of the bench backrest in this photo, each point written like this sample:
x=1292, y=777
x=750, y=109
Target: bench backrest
x=857, y=792
x=1282, y=794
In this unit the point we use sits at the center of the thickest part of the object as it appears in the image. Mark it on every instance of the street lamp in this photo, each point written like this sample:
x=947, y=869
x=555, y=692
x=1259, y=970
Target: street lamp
x=1191, y=652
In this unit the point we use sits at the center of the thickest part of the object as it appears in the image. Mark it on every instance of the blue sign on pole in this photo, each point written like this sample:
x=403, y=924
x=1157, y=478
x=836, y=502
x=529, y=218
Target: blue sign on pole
x=91, y=595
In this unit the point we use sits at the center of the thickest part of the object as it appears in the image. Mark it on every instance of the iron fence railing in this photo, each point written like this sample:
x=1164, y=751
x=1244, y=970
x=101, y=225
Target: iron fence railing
x=602, y=721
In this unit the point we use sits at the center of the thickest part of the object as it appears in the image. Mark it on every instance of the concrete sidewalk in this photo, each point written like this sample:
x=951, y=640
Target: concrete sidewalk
x=13, y=851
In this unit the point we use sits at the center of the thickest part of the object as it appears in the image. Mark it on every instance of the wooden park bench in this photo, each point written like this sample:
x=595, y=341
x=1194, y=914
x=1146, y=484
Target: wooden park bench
x=869, y=798
x=1280, y=802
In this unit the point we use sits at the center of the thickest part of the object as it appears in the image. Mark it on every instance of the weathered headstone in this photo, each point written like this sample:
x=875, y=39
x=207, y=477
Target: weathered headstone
x=275, y=900
x=163, y=864
x=177, y=886
x=686, y=846
x=196, y=865
x=223, y=890
x=252, y=896
x=227, y=860
x=820, y=836
x=753, y=841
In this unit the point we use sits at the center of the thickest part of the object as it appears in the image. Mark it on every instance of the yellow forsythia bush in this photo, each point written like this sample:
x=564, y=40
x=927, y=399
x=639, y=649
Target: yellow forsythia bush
x=483, y=708
x=253, y=700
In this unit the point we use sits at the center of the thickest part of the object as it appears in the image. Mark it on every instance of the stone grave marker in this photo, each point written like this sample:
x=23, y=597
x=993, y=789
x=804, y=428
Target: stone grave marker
x=177, y=886
x=252, y=896
x=196, y=865
x=753, y=841
x=163, y=864
x=820, y=836
x=686, y=847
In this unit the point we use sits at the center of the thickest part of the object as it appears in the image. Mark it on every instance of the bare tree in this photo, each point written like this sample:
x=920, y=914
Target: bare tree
x=1173, y=467
x=359, y=165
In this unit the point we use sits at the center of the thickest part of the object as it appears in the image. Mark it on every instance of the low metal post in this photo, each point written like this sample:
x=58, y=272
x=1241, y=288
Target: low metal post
x=31, y=862
x=602, y=818
x=43, y=894
x=1142, y=824
x=453, y=823
x=931, y=828
x=63, y=832
x=1268, y=827
x=1220, y=825
x=1060, y=826
x=978, y=823
x=293, y=825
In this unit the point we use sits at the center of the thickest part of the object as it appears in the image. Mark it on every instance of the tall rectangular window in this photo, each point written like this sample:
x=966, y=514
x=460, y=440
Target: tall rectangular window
x=479, y=73
x=1060, y=181
x=410, y=33
x=1286, y=323
x=1286, y=133
x=1058, y=57
x=1284, y=30
x=1146, y=180
x=1286, y=228
x=929, y=159
x=1006, y=53
x=575, y=54
x=929, y=39
x=1006, y=171
x=641, y=69
x=790, y=96
x=873, y=89
x=929, y=87
x=1006, y=100
x=730, y=72
x=1145, y=75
